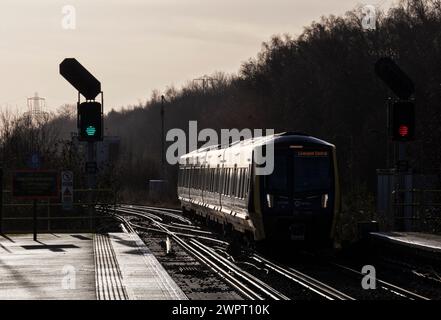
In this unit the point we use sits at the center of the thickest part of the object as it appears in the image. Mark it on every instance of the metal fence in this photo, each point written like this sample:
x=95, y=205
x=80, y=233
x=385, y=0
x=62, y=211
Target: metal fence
x=17, y=215
x=418, y=210
x=409, y=202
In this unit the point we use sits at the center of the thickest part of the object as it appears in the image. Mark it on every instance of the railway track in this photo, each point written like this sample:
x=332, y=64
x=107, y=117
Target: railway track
x=228, y=270
x=193, y=238
x=248, y=285
x=304, y=280
x=384, y=285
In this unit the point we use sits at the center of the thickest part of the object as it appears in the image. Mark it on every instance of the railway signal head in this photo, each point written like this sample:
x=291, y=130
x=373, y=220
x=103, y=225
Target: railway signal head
x=403, y=121
x=395, y=78
x=80, y=78
x=90, y=120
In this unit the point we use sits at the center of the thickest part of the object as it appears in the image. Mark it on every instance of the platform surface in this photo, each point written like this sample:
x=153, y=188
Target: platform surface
x=422, y=241
x=82, y=266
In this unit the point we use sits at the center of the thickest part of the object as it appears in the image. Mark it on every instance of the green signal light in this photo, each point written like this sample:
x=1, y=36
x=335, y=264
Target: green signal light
x=91, y=131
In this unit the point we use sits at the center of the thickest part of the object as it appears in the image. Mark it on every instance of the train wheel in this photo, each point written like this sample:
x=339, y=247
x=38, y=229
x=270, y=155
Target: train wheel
x=248, y=241
x=235, y=243
x=185, y=212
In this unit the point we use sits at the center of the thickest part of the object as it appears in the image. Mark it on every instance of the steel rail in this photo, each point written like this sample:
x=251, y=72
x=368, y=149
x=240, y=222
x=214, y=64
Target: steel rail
x=304, y=280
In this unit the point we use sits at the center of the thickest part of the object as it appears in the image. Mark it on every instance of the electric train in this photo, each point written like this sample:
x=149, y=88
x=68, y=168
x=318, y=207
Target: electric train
x=298, y=200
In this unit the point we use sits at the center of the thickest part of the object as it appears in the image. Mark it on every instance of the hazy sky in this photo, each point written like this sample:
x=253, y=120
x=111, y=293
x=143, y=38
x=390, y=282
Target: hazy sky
x=135, y=46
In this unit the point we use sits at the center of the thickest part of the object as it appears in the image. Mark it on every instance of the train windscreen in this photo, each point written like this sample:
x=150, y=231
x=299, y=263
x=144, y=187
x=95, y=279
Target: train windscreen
x=312, y=171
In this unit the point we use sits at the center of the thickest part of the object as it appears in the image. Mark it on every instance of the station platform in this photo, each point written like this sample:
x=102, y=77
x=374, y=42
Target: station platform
x=414, y=240
x=114, y=266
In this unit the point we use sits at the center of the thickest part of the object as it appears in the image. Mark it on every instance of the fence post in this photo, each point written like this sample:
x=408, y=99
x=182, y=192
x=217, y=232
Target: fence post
x=34, y=209
x=1, y=200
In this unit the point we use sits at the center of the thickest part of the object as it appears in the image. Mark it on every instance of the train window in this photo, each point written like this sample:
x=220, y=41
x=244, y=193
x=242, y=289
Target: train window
x=247, y=182
x=234, y=182
x=206, y=178
x=196, y=178
x=181, y=177
x=244, y=186
x=213, y=188
x=207, y=173
x=190, y=171
x=239, y=183
x=213, y=184
x=228, y=182
x=221, y=180
x=242, y=183
x=201, y=178
x=224, y=181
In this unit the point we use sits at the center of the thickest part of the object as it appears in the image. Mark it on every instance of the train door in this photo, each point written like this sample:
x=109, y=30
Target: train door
x=312, y=192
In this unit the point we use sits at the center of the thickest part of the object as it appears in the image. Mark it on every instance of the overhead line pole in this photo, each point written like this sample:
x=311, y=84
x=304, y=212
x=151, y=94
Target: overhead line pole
x=162, y=138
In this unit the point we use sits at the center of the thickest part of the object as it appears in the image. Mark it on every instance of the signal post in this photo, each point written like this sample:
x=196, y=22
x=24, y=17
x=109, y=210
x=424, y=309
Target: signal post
x=89, y=116
x=401, y=127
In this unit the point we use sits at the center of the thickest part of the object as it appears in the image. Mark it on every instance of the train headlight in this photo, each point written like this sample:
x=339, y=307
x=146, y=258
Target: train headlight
x=325, y=198
x=270, y=200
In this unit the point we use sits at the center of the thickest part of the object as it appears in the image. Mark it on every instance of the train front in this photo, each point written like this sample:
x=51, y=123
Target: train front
x=300, y=199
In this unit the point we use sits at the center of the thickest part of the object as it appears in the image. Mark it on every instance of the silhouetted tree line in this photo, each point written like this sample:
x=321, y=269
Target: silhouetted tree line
x=322, y=83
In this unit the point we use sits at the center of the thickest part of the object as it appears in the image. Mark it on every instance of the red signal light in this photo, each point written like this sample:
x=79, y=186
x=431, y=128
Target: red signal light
x=403, y=121
x=403, y=130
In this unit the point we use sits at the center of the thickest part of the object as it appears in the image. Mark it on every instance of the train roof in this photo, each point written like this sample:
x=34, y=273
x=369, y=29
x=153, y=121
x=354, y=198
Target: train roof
x=240, y=152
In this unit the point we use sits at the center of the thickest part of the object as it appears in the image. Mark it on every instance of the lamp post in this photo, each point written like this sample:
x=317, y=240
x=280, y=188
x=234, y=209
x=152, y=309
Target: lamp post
x=162, y=138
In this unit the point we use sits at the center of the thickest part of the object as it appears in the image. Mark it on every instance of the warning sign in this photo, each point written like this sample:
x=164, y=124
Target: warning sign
x=67, y=189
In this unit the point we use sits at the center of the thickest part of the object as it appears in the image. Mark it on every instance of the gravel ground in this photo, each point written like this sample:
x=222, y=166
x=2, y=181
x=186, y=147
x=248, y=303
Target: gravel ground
x=196, y=280
x=421, y=276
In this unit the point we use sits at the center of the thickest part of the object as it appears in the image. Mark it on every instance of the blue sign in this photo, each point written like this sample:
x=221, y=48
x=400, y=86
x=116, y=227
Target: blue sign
x=34, y=161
